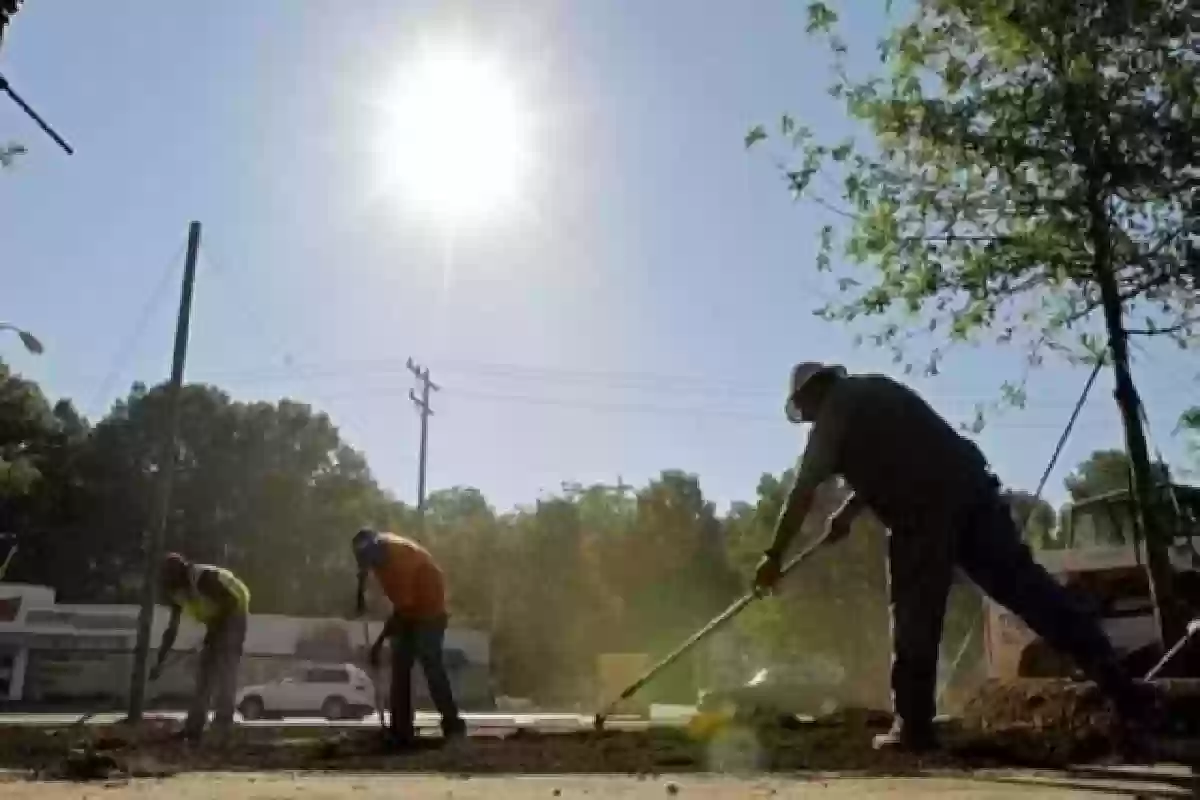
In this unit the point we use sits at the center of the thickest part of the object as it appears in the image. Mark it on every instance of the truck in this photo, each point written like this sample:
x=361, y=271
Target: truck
x=1101, y=561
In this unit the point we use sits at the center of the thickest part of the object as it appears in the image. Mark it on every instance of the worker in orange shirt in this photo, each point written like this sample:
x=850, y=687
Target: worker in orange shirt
x=414, y=584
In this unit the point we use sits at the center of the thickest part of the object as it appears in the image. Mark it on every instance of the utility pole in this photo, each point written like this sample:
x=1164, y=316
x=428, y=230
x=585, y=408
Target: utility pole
x=154, y=539
x=422, y=404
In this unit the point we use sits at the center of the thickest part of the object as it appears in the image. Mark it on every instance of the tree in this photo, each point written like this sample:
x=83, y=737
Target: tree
x=39, y=446
x=9, y=153
x=26, y=426
x=1107, y=471
x=1189, y=423
x=462, y=531
x=1032, y=164
x=7, y=9
x=267, y=489
x=1035, y=517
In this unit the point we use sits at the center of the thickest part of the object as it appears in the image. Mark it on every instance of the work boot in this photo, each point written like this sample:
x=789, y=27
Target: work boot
x=455, y=736
x=904, y=738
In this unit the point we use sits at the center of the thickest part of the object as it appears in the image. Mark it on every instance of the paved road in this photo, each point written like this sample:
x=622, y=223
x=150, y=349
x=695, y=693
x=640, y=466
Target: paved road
x=417, y=787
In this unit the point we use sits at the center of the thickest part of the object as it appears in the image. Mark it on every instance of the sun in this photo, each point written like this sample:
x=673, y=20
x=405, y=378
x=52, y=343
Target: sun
x=456, y=137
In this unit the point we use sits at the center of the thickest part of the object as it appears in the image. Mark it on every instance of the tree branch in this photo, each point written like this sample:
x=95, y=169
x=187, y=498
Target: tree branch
x=1181, y=326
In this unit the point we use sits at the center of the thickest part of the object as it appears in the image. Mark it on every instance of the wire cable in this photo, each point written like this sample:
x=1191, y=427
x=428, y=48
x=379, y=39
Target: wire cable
x=129, y=344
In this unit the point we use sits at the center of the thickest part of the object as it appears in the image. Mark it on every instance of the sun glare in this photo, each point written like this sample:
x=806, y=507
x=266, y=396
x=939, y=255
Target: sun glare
x=456, y=140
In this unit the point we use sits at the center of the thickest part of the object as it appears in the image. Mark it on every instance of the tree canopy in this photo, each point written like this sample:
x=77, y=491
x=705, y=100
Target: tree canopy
x=1106, y=471
x=7, y=9
x=1006, y=139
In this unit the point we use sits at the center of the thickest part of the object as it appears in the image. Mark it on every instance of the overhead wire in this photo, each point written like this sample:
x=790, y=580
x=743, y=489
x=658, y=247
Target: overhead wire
x=254, y=321
x=129, y=344
x=701, y=410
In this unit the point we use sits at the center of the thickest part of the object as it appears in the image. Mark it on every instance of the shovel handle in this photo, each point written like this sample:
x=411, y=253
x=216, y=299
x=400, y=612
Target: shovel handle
x=366, y=629
x=722, y=618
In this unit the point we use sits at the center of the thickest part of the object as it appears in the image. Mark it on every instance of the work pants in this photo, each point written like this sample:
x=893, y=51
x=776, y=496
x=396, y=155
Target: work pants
x=985, y=544
x=216, y=676
x=420, y=641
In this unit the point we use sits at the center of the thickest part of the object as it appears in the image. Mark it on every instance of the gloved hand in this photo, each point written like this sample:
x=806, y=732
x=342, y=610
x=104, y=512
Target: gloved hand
x=155, y=672
x=770, y=567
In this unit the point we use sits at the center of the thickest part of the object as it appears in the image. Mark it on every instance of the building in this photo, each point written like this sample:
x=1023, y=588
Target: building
x=63, y=655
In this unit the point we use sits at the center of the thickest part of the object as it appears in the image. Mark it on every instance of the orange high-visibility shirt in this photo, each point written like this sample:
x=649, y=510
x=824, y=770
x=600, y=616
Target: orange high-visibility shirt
x=410, y=578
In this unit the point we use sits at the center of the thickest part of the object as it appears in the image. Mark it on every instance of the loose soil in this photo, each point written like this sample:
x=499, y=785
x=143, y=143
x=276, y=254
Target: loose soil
x=1044, y=724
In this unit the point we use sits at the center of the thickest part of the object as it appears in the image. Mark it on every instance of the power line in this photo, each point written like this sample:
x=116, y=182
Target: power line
x=33, y=115
x=254, y=320
x=647, y=408
x=128, y=345
x=502, y=373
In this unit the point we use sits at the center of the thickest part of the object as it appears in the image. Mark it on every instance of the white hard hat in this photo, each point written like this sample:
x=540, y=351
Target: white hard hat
x=802, y=373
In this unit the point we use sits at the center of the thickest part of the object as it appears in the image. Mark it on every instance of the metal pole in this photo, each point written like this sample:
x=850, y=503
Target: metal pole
x=153, y=542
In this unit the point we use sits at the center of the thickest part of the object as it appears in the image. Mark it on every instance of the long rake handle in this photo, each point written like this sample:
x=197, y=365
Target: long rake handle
x=691, y=642
x=374, y=676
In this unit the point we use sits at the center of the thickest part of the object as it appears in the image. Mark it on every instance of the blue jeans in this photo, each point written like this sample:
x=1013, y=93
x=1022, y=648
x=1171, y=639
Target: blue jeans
x=986, y=545
x=420, y=641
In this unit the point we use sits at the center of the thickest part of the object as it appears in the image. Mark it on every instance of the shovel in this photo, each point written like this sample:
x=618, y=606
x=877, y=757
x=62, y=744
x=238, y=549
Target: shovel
x=722, y=618
x=374, y=677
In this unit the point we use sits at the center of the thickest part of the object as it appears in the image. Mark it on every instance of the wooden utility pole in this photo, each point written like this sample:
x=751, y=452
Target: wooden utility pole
x=422, y=404
x=154, y=539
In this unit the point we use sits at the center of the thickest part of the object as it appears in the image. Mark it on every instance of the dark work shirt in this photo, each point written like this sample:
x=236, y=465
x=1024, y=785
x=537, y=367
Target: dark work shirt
x=902, y=459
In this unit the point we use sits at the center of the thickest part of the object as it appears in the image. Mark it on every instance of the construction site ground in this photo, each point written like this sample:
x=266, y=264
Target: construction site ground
x=1040, y=733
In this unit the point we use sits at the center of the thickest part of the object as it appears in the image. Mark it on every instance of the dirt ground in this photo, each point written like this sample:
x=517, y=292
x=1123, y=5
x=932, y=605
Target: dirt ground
x=1048, y=726
x=418, y=787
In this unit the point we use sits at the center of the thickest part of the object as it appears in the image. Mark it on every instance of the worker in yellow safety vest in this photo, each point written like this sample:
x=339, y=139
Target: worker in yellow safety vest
x=214, y=597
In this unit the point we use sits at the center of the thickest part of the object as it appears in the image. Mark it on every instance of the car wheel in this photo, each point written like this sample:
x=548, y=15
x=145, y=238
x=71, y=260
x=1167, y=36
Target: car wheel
x=251, y=707
x=333, y=708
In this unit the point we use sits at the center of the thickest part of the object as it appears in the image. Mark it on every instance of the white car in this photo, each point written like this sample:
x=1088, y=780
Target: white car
x=335, y=691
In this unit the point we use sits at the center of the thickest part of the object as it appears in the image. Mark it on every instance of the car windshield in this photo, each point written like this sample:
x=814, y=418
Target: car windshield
x=326, y=675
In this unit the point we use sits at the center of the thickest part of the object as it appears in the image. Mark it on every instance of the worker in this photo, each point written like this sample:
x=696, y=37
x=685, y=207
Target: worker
x=414, y=584
x=218, y=600
x=934, y=491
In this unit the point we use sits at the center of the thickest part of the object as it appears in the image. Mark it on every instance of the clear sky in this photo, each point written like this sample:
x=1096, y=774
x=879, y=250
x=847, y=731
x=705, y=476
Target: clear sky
x=636, y=308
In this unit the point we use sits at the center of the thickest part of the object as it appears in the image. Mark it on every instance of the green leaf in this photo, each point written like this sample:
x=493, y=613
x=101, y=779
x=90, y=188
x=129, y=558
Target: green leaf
x=755, y=135
x=820, y=18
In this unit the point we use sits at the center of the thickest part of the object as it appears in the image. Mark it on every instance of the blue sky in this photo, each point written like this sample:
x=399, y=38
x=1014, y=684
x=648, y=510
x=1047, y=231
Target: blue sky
x=639, y=310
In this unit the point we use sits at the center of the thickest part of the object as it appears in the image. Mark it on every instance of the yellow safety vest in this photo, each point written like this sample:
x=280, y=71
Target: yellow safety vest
x=198, y=606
